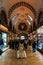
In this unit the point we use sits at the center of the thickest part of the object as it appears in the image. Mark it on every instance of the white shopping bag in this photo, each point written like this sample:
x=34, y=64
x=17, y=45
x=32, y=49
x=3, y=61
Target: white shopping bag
x=24, y=54
x=18, y=54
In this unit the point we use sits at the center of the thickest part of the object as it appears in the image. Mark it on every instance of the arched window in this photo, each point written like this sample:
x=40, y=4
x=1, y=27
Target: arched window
x=40, y=19
x=4, y=18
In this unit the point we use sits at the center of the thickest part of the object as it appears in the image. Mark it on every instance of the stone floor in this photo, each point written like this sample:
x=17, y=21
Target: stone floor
x=9, y=58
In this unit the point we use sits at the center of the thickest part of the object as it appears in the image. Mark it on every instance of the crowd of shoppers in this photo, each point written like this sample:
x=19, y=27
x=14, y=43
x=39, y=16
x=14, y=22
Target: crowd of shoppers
x=21, y=45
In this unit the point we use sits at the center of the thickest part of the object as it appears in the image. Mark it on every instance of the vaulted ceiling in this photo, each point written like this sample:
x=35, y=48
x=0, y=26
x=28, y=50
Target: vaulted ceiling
x=9, y=3
x=21, y=13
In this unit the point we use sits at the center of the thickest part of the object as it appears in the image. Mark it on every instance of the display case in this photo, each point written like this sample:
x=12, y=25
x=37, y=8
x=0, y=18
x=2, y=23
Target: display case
x=40, y=42
x=4, y=37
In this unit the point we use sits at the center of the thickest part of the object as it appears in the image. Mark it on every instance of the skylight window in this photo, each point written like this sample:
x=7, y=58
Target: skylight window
x=16, y=22
x=28, y=22
x=30, y=17
x=14, y=18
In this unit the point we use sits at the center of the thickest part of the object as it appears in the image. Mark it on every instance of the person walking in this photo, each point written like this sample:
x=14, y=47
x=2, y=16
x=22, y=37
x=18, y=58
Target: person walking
x=34, y=45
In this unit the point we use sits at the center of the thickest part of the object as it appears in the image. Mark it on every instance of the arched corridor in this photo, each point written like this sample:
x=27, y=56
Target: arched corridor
x=21, y=32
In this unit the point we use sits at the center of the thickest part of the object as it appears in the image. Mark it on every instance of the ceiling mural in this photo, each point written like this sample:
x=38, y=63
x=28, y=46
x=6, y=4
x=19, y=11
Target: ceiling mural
x=21, y=4
x=22, y=26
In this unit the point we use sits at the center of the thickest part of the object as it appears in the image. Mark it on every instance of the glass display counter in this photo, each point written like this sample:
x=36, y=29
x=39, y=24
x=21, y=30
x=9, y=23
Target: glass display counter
x=40, y=42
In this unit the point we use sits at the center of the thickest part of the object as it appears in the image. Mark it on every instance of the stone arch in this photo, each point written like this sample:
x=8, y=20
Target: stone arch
x=4, y=20
x=21, y=4
x=40, y=19
x=22, y=34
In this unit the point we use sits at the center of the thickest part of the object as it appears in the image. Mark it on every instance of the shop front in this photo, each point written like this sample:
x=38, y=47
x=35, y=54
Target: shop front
x=40, y=39
x=3, y=38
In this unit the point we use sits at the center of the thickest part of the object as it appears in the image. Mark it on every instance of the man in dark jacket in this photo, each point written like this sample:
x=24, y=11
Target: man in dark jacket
x=34, y=46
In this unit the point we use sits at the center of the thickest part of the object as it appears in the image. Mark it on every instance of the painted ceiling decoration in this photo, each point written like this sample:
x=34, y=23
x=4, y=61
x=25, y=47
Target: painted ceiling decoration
x=14, y=17
x=22, y=15
x=21, y=4
x=22, y=26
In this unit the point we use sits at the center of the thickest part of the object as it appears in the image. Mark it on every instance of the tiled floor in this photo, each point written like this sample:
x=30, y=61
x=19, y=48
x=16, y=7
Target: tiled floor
x=9, y=58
